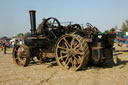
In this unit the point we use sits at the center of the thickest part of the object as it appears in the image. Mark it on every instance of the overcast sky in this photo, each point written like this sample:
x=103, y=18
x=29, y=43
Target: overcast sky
x=104, y=14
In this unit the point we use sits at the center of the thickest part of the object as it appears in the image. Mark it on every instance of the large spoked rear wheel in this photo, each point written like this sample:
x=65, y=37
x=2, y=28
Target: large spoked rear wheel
x=21, y=55
x=72, y=52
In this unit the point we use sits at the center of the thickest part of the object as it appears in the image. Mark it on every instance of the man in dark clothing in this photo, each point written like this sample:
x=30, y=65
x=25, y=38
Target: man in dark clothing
x=4, y=48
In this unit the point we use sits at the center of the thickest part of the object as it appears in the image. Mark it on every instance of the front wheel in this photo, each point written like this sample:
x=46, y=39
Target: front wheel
x=21, y=55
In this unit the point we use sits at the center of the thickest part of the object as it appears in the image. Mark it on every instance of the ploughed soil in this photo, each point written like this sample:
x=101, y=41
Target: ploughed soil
x=52, y=74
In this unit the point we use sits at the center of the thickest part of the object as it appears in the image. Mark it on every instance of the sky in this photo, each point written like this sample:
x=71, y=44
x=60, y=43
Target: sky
x=104, y=14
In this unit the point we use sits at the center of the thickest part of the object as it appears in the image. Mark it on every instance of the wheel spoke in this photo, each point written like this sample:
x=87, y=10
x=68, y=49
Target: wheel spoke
x=80, y=53
x=78, y=60
x=49, y=25
x=72, y=42
x=53, y=22
x=51, y=32
x=79, y=57
x=17, y=54
x=62, y=57
x=63, y=52
x=67, y=44
x=68, y=61
x=62, y=48
x=77, y=46
x=75, y=63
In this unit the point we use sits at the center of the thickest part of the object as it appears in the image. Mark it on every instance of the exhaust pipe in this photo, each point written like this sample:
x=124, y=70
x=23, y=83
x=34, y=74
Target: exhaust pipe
x=33, y=21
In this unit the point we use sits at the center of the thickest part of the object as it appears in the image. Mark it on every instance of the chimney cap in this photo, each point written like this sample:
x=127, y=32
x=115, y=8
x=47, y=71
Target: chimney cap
x=32, y=10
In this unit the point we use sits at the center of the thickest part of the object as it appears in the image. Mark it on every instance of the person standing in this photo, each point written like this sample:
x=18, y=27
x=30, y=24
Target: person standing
x=4, y=48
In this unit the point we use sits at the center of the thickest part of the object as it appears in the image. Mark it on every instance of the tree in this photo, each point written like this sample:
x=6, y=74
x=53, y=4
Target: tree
x=20, y=35
x=106, y=32
x=112, y=30
x=124, y=28
x=27, y=34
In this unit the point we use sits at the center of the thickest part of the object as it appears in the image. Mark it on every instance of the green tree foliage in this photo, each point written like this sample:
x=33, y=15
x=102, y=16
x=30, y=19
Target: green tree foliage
x=124, y=28
x=20, y=35
x=112, y=30
x=106, y=32
x=26, y=34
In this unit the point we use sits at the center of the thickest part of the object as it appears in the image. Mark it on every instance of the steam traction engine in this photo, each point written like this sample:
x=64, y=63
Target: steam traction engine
x=71, y=46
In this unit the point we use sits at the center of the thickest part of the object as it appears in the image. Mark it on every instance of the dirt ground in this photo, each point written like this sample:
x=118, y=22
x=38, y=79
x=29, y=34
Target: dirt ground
x=52, y=74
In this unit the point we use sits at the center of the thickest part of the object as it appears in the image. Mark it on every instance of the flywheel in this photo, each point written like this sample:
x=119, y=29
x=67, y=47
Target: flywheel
x=72, y=52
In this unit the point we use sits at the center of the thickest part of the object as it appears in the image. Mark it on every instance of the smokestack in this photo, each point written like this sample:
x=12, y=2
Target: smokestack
x=33, y=21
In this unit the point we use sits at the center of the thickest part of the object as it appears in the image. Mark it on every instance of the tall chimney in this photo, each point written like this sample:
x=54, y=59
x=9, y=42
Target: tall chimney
x=33, y=21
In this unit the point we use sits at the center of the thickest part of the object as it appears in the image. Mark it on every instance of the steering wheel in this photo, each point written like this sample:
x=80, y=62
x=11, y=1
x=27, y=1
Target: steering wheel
x=76, y=27
x=51, y=28
x=89, y=25
x=73, y=28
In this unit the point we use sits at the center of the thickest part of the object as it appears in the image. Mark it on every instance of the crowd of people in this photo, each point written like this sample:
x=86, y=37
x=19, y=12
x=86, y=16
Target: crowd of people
x=10, y=44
